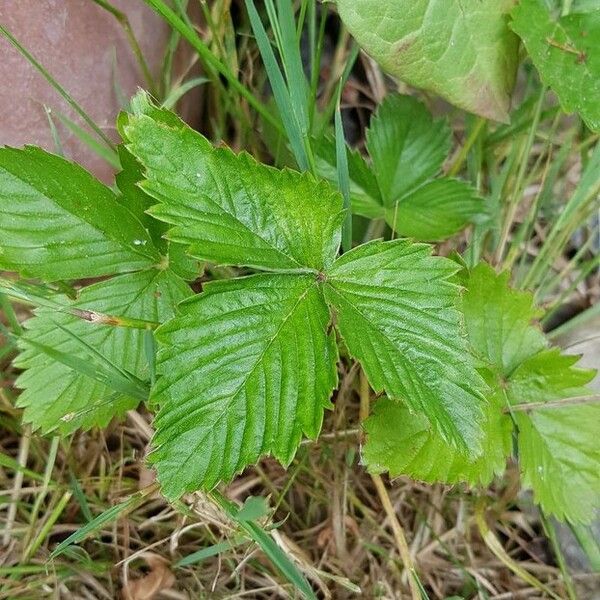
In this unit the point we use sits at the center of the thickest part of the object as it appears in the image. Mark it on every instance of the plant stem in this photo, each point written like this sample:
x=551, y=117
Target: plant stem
x=390, y=512
x=464, y=151
x=560, y=559
x=554, y=403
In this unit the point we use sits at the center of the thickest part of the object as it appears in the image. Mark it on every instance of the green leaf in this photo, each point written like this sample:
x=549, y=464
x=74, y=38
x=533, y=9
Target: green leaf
x=407, y=148
x=436, y=210
x=557, y=446
x=462, y=50
x=559, y=457
x=406, y=145
x=230, y=209
x=404, y=443
x=254, y=508
x=58, y=396
x=108, y=516
x=267, y=544
x=500, y=321
x=58, y=222
x=134, y=197
x=559, y=452
x=566, y=52
x=397, y=312
x=247, y=368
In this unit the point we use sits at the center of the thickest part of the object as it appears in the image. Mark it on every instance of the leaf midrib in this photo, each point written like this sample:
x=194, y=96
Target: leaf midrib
x=229, y=401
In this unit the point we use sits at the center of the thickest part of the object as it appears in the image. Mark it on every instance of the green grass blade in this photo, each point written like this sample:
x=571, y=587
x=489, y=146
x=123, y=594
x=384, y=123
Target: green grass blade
x=188, y=33
x=108, y=516
x=268, y=546
x=589, y=544
x=204, y=553
x=121, y=17
x=10, y=463
x=296, y=79
x=574, y=214
x=103, y=151
x=58, y=147
x=178, y=92
x=115, y=380
x=575, y=322
x=343, y=176
x=80, y=497
x=279, y=88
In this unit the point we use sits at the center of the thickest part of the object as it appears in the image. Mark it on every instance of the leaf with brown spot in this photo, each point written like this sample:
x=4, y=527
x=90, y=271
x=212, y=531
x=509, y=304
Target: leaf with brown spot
x=462, y=50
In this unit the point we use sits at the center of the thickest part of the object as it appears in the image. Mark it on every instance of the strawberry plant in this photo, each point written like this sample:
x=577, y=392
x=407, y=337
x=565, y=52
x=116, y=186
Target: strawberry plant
x=401, y=292
x=246, y=367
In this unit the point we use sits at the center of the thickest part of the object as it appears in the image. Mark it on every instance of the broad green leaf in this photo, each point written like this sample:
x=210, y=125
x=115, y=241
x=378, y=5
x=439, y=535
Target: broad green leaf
x=407, y=148
x=500, y=320
x=557, y=447
x=364, y=189
x=404, y=443
x=406, y=145
x=57, y=397
x=136, y=199
x=566, y=51
x=559, y=452
x=247, y=368
x=58, y=222
x=462, y=50
x=397, y=312
x=436, y=210
x=230, y=209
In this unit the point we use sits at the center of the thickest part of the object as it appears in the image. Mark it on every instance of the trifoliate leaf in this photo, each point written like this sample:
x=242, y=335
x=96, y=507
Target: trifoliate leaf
x=58, y=222
x=247, y=368
x=566, y=51
x=397, y=313
x=407, y=148
x=500, y=320
x=406, y=145
x=404, y=443
x=462, y=50
x=230, y=209
x=59, y=397
x=436, y=210
x=558, y=447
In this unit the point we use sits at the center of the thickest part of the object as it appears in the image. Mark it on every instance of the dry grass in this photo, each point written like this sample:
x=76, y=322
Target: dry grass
x=327, y=512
